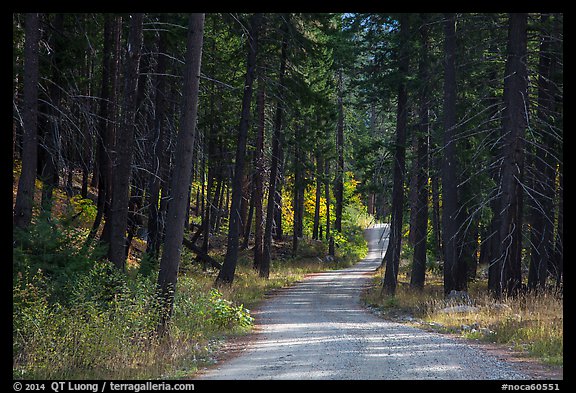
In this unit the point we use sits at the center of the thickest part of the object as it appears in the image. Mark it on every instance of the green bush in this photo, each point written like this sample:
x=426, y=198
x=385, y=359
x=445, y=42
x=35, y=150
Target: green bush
x=107, y=322
x=199, y=312
x=76, y=316
x=57, y=250
x=224, y=314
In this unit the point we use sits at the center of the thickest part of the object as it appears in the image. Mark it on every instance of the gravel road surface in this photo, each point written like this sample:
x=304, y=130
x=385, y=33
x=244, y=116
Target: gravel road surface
x=318, y=329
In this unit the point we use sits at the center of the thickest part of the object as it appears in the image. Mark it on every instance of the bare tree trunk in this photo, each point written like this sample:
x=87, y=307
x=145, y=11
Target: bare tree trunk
x=418, y=275
x=157, y=154
x=543, y=203
x=514, y=128
x=124, y=147
x=170, y=262
x=26, y=183
x=270, y=208
x=319, y=170
x=109, y=140
x=339, y=183
x=298, y=190
x=327, y=196
x=392, y=256
x=50, y=124
x=452, y=269
x=258, y=195
x=226, y=274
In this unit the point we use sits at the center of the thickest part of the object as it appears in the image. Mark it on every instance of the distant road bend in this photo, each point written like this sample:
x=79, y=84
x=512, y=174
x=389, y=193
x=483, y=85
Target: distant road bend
x=319, y=330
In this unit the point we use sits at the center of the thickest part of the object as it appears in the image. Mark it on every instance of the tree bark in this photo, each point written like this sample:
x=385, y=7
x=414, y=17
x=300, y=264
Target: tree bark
x=176, y=216
x=106, y=125
x=276, y=137
x=453, y=272
x=542, y=219
x=226, y=275
x=339, y=181
x=418, y=275
x=124, y=147
x=157, y=154
x=26, y=183
x=318, y=195
x=514, y=128
x=50, y=125
x=298, y=198
x=259, y=176
x=392, y=256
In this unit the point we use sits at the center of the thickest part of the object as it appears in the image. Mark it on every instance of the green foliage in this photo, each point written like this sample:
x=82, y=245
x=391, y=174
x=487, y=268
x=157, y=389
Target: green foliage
x=84, y=209
x=199, y=312
x=106, y=323
x=75, y=314
x=55, y=249
x=223, y=313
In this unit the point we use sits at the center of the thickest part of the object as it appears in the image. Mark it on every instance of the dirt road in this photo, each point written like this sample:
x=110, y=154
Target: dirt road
x=319, y=330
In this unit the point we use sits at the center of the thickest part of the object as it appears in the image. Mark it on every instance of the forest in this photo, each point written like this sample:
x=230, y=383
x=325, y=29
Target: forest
x=162, y=162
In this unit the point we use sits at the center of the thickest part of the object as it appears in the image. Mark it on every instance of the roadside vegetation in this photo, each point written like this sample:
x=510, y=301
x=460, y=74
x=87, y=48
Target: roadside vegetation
x=529, y=323
x=75, y=316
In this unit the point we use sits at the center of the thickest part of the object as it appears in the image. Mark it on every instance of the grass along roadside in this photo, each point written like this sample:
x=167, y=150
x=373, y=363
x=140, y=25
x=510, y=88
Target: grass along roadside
x=75, y=317
x=101, y=324
x=530, y=324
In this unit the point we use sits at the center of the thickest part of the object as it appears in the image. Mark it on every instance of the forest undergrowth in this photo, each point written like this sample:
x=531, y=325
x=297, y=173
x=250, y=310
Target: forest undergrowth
x=75, y=316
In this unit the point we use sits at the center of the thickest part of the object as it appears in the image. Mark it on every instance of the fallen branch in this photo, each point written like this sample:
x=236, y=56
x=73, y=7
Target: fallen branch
x=201, y=254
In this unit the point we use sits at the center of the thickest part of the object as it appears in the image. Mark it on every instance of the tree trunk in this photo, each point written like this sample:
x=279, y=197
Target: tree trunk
x=327, y=197
x=50, y=125
x=124, y=147
x=392, y=256
x=226, y=275
x=26, y=183
x=168, y=275
x=436, y=222
x=543, y=203
x=319, y=170
x=452, y=269
x=514, y=128
x=298, y=190
x=157, y=154
x=339, y=181
x=418, y=275
x=259, y=176
x=270, y=207
x=111, y=127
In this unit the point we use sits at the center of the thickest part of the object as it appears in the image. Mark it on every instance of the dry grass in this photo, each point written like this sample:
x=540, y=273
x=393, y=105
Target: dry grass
x=528, y=322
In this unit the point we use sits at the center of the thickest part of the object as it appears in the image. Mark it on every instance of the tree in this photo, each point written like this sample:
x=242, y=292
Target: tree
x=421, y=214
x=176, y=216
x=258, y=194
x=544, y=177
x=106, y=128
x=124, y=147
x=158, y=156
x=50, y=123
x=275, y=160
x=514, y=126
x=339, y=181
x=392, y=256
x=454, y=273
x=226, y=274
x=26, y=183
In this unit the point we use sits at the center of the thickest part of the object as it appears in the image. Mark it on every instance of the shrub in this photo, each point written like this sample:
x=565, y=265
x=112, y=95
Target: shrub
x=106, y=323
x=55, y=249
